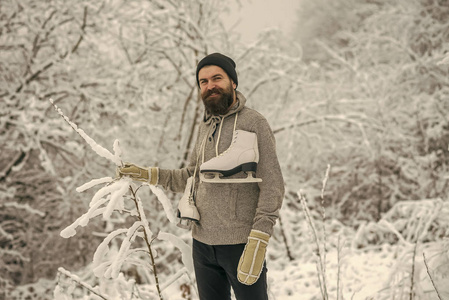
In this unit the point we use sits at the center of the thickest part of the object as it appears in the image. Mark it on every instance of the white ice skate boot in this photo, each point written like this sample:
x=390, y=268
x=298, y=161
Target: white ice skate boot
x=187, y=211
x=242, y=155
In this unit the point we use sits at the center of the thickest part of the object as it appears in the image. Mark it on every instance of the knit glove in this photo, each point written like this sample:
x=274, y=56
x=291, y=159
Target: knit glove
x=138, y=173
x=253, y=257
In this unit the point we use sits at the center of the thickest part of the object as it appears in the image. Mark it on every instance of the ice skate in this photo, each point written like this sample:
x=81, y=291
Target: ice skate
x=241, y=156
x=187, y=211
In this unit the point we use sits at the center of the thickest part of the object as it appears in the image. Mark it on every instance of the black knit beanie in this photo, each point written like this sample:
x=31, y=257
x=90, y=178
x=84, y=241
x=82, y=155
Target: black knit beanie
x=218, y=59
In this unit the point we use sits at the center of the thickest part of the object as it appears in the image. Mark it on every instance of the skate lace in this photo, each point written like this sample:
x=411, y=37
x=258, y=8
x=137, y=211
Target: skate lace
x=234, y=139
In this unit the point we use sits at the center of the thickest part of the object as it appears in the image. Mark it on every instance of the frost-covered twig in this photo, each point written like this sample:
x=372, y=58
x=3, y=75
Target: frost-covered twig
x=166, y=204
x=110, y=194
x=147, y=236
x=284, y=238
x=101, y=151
x=321, y=254
x=25, y=207
x=186, y=253
x=430, y=276
x=412, y=275
x=175, y=277
x=318, y=253
x=78, y=281
x=339, y=247
x=323, y=216
x=445, y=60
x=93, y=183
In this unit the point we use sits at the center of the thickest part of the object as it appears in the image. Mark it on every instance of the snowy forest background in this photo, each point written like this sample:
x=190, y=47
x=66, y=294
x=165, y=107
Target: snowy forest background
x=357, y=98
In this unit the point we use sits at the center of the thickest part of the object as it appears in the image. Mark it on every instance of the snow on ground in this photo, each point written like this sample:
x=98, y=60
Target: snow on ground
x=381, y=272
x=369, y=274
x=364, y=274
x=366, y=263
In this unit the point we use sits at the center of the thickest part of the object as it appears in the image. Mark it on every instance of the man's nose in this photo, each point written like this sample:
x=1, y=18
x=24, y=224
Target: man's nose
x=211, y=85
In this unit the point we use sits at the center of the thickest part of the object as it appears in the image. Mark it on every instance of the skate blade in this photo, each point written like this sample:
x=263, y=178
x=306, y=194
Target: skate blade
x=217, y=179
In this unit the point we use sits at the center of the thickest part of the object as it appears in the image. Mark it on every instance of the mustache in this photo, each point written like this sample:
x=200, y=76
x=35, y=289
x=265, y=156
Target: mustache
x=213, y=91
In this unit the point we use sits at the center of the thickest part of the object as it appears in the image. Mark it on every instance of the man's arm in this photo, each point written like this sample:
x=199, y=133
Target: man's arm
x=272, y=186
x=170, y=179
x=174, y=180
x=269, y=203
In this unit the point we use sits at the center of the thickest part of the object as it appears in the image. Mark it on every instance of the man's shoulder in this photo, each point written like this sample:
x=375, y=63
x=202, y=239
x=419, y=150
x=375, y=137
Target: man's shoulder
x=253, y=120
x=251, y=113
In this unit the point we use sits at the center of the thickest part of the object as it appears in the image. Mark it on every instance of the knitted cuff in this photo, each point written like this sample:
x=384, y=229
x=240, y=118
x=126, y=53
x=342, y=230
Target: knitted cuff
x=154, y=175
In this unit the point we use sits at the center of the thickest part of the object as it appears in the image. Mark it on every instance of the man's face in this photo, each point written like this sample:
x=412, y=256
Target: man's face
x=217, y=89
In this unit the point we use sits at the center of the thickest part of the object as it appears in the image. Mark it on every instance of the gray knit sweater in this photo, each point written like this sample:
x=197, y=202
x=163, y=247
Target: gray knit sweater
x=229, y=211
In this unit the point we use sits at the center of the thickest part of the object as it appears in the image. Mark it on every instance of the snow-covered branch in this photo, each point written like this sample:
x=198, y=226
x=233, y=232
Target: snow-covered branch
x=101, y=151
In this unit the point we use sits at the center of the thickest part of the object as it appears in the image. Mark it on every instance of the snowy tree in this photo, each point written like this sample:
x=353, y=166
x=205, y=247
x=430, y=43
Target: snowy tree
x=37, y=160
x=108, y=200
x=362, y=88
x=120, y=69
x=377, y=63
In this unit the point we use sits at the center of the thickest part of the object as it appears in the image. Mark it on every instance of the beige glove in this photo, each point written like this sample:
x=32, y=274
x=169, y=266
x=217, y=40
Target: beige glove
x=253, y=257
x=149, y=175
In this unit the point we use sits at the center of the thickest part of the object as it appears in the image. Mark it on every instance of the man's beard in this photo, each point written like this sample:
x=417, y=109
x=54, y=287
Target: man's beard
x=220, y=104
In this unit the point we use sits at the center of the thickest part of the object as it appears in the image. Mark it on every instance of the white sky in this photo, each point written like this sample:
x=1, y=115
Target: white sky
x=256, y=15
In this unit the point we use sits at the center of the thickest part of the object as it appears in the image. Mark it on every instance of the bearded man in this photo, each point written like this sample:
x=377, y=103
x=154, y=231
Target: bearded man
x=236, y=215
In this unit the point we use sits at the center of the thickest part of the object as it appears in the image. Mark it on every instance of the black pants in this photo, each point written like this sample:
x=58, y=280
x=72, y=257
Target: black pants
x=216, y=272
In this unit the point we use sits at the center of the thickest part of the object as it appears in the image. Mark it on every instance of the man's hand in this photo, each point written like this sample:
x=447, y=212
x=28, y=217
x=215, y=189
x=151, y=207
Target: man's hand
x=135, y=172
x=253, y=257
